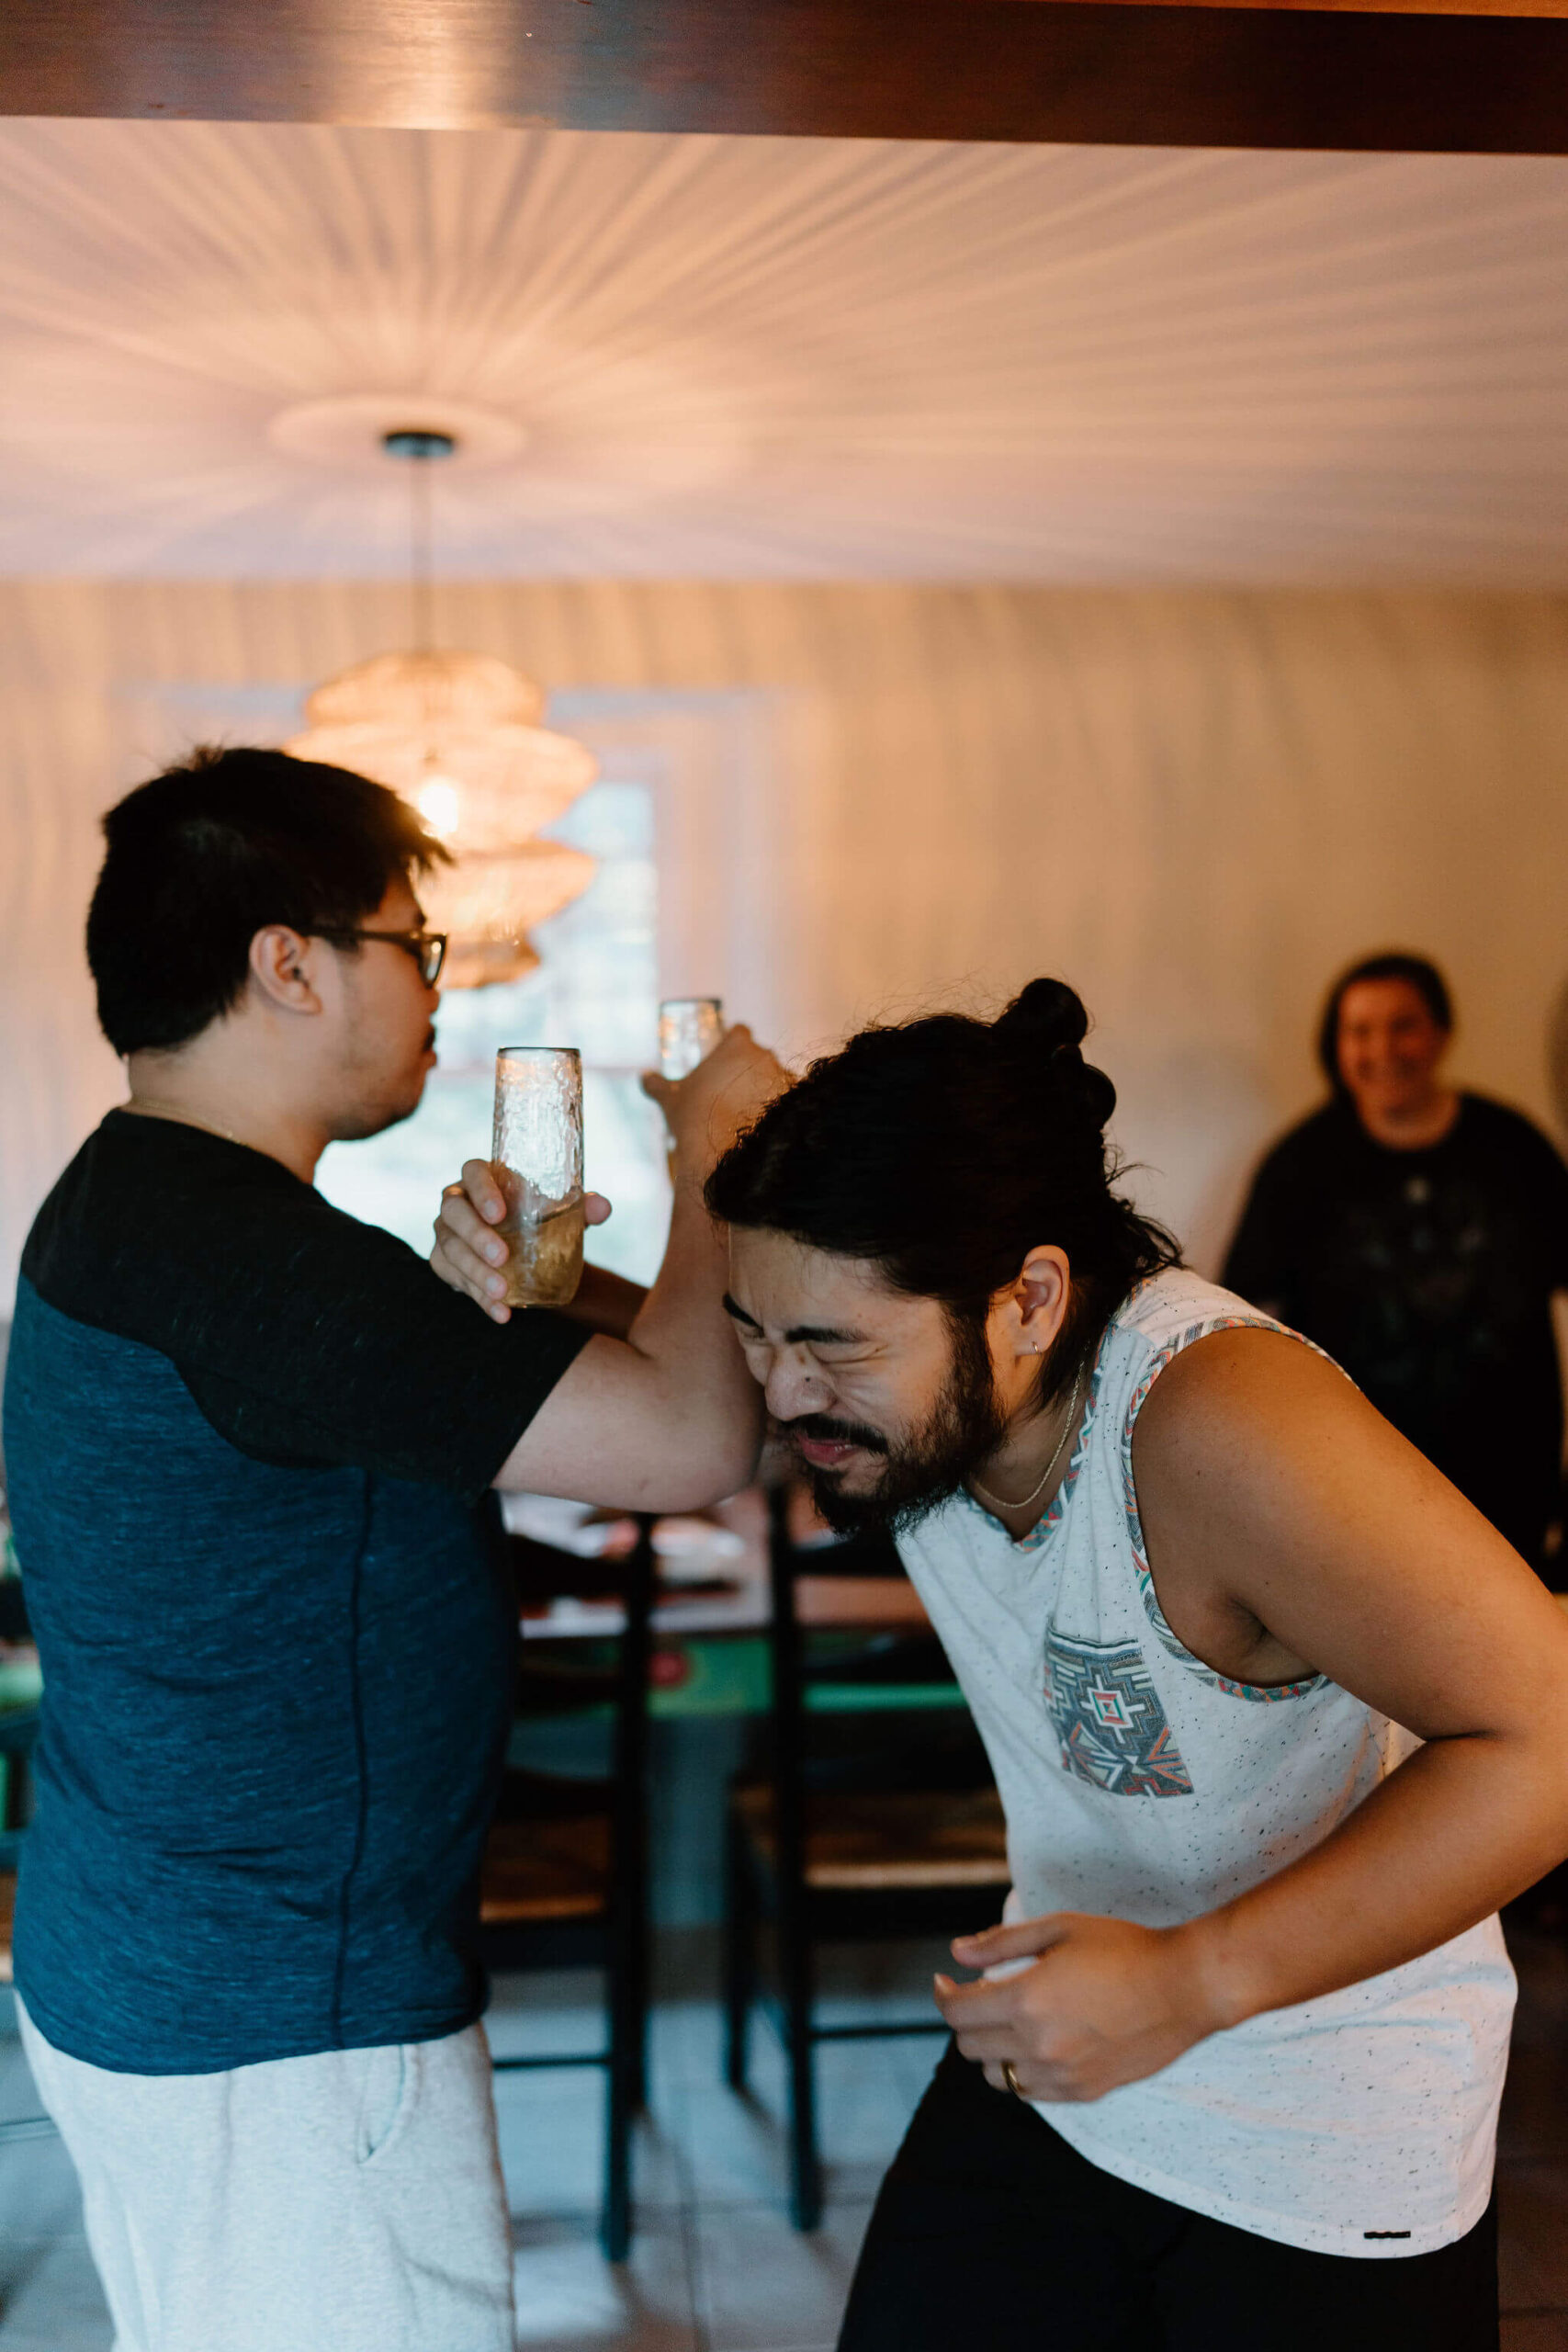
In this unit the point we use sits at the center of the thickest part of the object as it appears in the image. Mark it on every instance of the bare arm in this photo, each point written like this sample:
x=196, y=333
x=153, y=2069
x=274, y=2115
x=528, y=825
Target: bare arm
x=1275, y=1496
x=606, y=1301
x=1291, y=1529
x=667, y=1418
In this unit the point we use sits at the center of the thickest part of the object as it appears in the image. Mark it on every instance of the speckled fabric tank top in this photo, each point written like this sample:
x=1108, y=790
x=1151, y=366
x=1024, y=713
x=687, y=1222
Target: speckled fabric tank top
x=1140, y=1784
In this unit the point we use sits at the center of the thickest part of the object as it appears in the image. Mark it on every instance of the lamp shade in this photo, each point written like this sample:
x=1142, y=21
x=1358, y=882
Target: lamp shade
x=488, y=963
x=454, y=735
x=479, y=788
x=421, y=690
x=488, y=904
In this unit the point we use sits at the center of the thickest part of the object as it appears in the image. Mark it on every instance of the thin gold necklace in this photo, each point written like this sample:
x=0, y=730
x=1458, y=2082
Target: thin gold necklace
x=1035, y=1492
x=185, y=1118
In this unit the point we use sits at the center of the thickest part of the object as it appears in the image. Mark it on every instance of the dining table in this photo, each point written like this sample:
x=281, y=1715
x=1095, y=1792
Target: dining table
x=711, y=1606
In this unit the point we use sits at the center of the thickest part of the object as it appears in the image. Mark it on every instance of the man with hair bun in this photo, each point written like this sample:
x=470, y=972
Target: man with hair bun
x=1277, y=1718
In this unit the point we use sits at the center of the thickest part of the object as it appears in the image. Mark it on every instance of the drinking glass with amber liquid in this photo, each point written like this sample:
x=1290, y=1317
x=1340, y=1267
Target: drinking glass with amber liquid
x=537, y=1151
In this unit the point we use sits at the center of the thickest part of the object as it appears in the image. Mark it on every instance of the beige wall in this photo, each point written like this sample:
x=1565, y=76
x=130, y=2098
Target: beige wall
x=1193, y=805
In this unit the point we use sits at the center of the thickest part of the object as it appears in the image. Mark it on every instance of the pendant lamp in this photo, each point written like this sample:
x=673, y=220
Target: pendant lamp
x=456, y=735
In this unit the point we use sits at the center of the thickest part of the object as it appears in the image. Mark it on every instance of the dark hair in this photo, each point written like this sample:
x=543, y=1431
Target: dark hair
x=1394, y=964
x=209, y=854
x=944, y=1151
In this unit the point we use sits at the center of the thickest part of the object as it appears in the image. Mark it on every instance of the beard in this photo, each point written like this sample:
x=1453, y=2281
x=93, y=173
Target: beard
x=926, y=1469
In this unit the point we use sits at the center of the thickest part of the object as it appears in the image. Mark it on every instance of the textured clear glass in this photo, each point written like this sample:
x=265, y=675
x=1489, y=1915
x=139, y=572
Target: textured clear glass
x=689, y=1029
x=536, y=1149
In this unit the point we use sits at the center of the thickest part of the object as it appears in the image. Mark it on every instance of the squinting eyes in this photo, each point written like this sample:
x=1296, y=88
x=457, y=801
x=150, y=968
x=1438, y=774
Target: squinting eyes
x=751, y=1345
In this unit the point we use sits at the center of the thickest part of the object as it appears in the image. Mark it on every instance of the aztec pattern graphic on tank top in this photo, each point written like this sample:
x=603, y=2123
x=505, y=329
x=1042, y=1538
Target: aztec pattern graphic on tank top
x=1109, y=1720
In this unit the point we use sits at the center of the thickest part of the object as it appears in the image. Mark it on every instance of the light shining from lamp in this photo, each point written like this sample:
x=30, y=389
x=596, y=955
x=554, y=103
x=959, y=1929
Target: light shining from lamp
x=440, y=803
x=455, y=734
x=511, y=780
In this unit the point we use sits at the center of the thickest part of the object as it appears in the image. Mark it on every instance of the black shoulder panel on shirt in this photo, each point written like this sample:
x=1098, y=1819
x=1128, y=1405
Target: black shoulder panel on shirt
x=304, y=1335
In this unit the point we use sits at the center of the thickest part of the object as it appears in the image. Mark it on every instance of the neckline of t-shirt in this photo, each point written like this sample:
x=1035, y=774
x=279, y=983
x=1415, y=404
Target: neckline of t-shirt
x=1055, y=1510
x=162, y=1128
x=1405, y=1154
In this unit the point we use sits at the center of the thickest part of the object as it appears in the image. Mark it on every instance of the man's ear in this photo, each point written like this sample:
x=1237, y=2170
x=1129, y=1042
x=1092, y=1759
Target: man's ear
x=281, y=964
x=1043, y=1292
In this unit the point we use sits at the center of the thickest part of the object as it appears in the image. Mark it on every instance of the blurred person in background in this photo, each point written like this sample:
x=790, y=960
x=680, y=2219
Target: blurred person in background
x=1418, y=1233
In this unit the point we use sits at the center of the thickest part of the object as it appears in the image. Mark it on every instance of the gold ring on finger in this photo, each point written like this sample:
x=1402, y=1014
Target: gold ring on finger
x=1009, y=2077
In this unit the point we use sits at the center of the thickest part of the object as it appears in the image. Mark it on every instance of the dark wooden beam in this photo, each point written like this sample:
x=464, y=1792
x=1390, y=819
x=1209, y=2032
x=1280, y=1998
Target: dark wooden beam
x=1072, y=70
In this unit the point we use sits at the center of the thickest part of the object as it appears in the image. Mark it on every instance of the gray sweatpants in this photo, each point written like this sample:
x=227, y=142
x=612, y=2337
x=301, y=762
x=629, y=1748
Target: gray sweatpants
x=349, y=2202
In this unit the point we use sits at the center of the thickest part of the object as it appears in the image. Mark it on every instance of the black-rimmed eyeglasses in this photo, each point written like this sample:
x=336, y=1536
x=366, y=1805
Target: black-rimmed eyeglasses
x=428, y=949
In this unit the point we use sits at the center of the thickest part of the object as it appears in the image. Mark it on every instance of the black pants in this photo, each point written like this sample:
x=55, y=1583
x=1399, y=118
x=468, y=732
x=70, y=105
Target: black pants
x=991, y=2231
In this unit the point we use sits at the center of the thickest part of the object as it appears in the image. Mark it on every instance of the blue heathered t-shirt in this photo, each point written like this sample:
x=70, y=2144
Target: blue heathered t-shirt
x=247, y=1440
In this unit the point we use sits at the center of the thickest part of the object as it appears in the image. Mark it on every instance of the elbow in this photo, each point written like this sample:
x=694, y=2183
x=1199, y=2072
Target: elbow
x=721, y=1472
x=730, y=1449
x=741, y=1450
x=694, y=1475
x=739, y=1466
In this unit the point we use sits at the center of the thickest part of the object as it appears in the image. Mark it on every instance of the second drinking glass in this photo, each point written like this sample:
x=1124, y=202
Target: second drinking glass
x=689, y=1029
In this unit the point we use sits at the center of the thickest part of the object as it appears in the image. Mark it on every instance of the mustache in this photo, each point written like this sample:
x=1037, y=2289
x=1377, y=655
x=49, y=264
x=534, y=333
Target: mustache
x=828, y=1431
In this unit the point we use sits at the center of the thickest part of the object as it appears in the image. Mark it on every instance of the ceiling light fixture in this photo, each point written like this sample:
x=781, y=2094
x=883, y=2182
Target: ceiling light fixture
x=456, y=735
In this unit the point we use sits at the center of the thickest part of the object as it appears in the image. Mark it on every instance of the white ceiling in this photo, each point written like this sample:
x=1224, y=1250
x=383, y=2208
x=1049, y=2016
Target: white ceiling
x=750, y=358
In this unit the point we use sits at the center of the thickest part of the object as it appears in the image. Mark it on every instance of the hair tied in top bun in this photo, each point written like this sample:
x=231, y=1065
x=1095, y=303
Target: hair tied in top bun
x=1045, y=1016
x=1043, y=1028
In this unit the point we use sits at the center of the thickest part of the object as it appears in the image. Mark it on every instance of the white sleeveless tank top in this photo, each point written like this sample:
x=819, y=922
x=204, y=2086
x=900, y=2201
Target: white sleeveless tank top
x=1140, y=1784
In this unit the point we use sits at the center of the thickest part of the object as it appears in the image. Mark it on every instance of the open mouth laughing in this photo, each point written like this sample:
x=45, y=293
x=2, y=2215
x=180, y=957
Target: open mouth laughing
x=826, y=1444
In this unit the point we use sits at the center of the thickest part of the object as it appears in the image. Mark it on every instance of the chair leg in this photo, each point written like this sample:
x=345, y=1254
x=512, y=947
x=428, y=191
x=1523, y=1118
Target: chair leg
x=616, y=2222
x=624, y=2076
x=636, y=2063
x=805, y=2167
x=630, y=1999
x=739, y=1958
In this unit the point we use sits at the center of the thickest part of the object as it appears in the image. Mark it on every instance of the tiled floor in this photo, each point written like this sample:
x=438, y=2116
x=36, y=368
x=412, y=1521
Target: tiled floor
x=716, y=2267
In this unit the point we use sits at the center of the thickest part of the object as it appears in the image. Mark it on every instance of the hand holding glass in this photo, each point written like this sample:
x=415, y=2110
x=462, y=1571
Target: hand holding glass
x=689, y=1029
x=537, y=1152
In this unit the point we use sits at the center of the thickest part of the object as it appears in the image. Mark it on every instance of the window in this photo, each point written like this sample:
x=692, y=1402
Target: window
x=598, y=990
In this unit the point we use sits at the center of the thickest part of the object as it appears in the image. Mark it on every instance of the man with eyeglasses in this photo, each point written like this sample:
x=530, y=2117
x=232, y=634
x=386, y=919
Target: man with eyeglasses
x=247, y=1441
